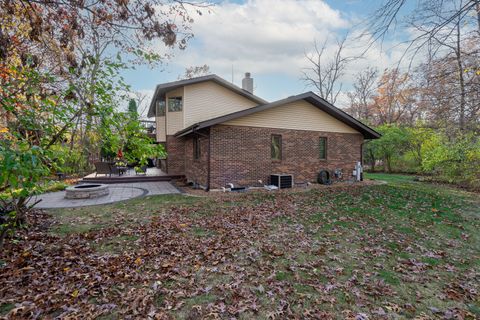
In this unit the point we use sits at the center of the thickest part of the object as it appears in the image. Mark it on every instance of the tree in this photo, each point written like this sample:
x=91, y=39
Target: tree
x=394, y=102
x=325, y=77
x=387, y=17
x=447, y=35
x=132, y=108
x=391, y=145
x=361, y=98
x=195, y=71
x=59, y=81
x=79, y=41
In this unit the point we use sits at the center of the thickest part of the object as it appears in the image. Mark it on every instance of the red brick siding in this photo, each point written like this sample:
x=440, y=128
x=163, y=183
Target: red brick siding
x=196, y=170
x=241, y=155
x=175, y=155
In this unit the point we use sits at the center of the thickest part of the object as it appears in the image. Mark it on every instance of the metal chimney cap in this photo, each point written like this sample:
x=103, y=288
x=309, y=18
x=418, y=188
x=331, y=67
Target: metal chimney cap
x=247, y=74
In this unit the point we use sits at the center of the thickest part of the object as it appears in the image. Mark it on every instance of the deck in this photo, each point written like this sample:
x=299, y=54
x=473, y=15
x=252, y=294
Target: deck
x=152, y=174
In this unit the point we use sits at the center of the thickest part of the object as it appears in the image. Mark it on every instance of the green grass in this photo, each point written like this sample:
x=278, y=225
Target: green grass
x=389, y=277
x=389, y=246
x=5, y=308
x=140, y=210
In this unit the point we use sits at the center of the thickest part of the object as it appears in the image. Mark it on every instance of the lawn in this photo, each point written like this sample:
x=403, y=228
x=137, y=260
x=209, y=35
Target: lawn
x=395, y=251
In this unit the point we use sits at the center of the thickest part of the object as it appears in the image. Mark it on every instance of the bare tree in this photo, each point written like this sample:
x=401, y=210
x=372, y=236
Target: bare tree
x=453, y=48
x=447, y=33
x=325, y=74
x=195, y=71
x=142, y=103
x=388, y=17
x=361, y=97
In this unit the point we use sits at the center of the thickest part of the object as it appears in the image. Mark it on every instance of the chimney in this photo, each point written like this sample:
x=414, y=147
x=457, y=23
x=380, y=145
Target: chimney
x=247, y=83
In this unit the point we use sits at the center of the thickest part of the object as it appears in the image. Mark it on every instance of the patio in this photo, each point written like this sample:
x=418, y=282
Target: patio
x=129, y=173
x=118, y=192
x=152, y=174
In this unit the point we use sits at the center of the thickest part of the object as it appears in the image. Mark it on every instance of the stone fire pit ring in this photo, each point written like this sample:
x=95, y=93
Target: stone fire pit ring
x=86, y=191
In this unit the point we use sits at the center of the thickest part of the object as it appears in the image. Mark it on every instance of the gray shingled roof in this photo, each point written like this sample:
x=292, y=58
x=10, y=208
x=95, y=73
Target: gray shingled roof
x=310, y=97
x=165, y=87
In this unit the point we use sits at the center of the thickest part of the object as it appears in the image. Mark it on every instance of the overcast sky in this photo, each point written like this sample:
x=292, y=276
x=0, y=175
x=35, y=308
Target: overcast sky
x=269, y=38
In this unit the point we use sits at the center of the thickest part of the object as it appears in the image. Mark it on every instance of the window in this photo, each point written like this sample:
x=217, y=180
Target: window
x=322, y=148
x=276, y=147
x=175, y=104
x=196, y=148
x=160, y=108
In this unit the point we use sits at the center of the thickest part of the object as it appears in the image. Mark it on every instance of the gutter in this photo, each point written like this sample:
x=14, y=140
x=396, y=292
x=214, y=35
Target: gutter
x=192, y=128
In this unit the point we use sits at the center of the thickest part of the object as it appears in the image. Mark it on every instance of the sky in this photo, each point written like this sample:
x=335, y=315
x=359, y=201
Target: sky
x=269, y=39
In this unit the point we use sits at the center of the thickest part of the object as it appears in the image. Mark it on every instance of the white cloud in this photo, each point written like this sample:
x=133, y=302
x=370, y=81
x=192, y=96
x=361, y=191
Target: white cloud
x=260, y=36
x=270, y=37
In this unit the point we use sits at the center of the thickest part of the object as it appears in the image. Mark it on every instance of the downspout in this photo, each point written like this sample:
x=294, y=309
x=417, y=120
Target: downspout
x=207, y=187
x=361, y=150
x=208, y=159
x=166, y=139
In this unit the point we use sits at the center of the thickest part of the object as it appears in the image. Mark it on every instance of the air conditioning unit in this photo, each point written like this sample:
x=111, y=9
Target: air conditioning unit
x=282, y=180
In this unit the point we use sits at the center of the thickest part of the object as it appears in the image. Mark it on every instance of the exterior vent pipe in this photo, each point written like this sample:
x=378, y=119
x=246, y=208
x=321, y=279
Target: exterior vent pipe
x=247, y=83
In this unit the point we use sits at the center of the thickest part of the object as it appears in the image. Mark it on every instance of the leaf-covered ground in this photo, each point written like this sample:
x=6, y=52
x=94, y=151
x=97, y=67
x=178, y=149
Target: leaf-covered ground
x=401, y=250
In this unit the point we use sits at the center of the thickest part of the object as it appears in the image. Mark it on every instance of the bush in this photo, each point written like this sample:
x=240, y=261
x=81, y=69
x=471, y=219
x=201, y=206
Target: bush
x=21, y=167
x=453, y=158
x=457, y=160
x=68, y=161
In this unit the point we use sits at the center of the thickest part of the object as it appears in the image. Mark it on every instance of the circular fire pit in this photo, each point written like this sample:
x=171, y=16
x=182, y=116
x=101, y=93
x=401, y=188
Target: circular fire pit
x=86, y=191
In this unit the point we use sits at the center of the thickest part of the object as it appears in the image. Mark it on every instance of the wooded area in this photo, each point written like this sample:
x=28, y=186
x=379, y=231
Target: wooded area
x=427, y=106
x=61, y=86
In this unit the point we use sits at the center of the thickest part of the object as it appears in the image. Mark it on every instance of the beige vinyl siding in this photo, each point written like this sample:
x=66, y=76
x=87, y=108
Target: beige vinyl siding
x=161, y=132
x=298, y=115
x=175, y=120
x=207, y=100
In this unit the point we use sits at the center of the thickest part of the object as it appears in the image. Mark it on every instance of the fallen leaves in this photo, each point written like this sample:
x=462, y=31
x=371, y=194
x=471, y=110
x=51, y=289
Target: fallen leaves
x=309, y=255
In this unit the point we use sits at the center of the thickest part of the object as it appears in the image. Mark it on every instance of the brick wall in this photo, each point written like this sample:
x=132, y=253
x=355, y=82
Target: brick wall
x=175, y=155
x=241, y=155
x=196, y=170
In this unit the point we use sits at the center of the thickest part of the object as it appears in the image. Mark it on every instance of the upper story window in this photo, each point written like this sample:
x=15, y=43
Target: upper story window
x=322, y=148
x=160, y=108
x=276, y=147
x=175, y=104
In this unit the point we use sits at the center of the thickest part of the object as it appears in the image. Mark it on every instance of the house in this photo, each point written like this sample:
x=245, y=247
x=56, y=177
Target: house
x=216, y=133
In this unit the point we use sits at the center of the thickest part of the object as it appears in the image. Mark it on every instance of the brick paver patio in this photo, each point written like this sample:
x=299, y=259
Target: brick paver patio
x=118, y=192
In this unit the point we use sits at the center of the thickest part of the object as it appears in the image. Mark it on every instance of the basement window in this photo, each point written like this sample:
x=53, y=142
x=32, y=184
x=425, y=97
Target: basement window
x=160, y=108
x=196, y=148
x=322, y=146
x=276, y=147
x=175, y=104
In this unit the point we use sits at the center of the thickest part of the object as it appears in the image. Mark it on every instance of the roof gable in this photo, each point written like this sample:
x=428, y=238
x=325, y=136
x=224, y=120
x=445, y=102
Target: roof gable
x=296, y=115
x=310, y=97
x=165, y=87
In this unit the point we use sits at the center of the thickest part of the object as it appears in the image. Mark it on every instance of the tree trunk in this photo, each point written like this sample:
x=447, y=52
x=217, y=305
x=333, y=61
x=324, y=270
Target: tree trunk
x=372, y=161
x=478, y=15
x=389, y=165
x=3, y=235
x=461, y=79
